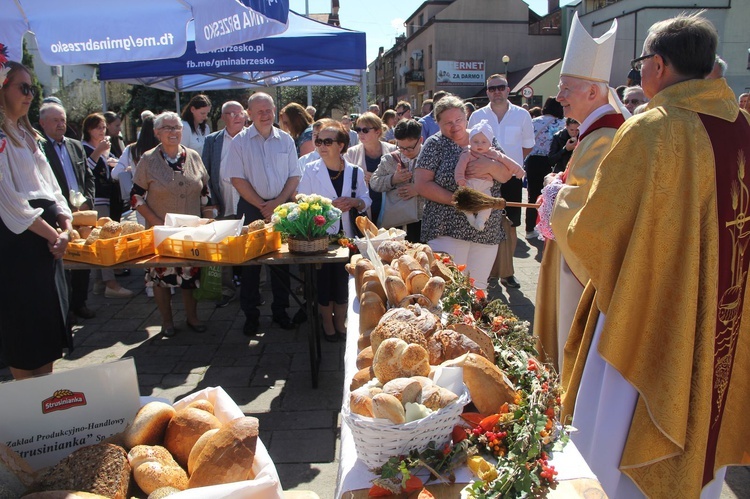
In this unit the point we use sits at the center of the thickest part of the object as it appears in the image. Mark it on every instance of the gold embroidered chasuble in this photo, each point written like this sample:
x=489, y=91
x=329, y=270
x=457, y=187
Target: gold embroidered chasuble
x=664, y=238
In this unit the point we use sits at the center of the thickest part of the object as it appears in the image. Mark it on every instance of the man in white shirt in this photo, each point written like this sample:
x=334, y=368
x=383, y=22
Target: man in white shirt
x=515, y=134
x=262, y=166
x=223, y=194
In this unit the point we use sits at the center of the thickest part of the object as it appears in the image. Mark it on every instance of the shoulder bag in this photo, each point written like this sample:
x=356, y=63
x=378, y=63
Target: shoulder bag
x=397, y=211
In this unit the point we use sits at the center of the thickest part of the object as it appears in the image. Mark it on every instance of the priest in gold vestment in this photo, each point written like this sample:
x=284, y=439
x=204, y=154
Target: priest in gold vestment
x=585, y=97
x=657, y=367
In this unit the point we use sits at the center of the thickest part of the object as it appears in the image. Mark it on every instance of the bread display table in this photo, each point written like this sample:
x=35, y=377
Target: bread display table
x=307, y=263
x=354, y=479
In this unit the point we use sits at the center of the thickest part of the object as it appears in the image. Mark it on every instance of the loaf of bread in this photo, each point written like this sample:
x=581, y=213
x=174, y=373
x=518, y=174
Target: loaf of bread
x=361, y=377
x=434, y=288
x=479, y=337
x=395, y=290
x=110, y=230
x=184, y=429
x=203, y=405
x=360, y=401
x=84, y=231
x=360, y=268
x=366, y=226
x=416, y=281
x=404, y=389
x=259, y=224
x=436, y=397
x=364, y=358
x=131, y=228
x=449, y=344
x=163, y=492
x=198, y=448
x=489, y=387
x=371, y=309
x=390, y=250
x=395, y=328
x=99, y=469
x=149, y=425
x=85, y=218
x=228, y=455
x=374, y=286
x=406, y=265
x=103, y=221
x=385, y=406
x=424, y=320
x=397, y=359
x=15, y=473
x=93, y=236
x=154, y=467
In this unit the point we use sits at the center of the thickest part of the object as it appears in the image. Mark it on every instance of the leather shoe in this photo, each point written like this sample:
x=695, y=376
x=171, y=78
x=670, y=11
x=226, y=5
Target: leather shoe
x=283, y=321
x=300, y=317
x=198, y=328
x=84, y=312
x=168, y=331
x=510, y=282
x=225, y=300
x=251, y=327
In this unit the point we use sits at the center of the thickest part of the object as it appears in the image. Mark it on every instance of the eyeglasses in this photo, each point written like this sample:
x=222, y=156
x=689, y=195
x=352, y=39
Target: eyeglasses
x=325, y=142
x=26, y=89
x=407, y=149
x=637, y=63
x=497, y=88
x=363, y=129
x=233, y=114
x=400, y=113
x=637, y=102
x=171, y=128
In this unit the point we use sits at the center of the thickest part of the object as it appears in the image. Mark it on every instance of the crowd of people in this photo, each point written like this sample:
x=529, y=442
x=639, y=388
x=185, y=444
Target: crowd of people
x=647, y=331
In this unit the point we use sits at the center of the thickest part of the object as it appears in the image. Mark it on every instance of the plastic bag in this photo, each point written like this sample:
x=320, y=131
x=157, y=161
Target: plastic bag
x=210, y=284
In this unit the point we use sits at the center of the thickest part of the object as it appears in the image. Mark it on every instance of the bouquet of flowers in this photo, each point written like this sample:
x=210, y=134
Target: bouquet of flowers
x=308, y=217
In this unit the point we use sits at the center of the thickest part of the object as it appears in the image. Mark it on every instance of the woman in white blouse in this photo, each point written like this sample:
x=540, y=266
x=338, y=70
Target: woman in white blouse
x=33, y=297
x=344, y=183
x=195, y=122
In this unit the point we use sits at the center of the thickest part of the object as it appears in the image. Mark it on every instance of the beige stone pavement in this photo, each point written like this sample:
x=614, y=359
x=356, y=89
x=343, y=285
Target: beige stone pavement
x=267, y=376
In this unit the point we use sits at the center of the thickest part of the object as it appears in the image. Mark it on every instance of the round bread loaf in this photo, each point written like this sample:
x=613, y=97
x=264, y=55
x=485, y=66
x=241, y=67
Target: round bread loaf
x=198, y=448
x=389, y=250
x=154, y=475
x=397, y=359
x=395, y=328
x=131, y=228
x=203, y=405
x=110, y=230
x=103, y=221
x=361, y=377
x=228, y=455
x=404, y=389
x=149, y=425
x=387, y=406
x=360, y=401
x=364, y=358
x=184, y=429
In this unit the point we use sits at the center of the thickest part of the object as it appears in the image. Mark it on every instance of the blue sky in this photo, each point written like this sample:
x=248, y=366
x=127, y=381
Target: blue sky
x=381, y=20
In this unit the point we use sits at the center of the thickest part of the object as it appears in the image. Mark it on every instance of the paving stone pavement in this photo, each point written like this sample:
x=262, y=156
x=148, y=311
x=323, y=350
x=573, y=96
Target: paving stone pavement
x=268, y=376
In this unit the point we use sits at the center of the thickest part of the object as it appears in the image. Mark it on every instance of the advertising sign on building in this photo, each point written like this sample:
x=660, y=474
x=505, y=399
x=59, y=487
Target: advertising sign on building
x=451, y=73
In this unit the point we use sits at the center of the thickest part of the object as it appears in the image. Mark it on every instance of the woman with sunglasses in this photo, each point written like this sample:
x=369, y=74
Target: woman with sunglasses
x=33, y=299
x=331, y=177
x=368, y=153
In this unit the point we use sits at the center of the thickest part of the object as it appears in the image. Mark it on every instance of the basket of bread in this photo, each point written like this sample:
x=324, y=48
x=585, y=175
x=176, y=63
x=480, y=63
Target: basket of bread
x=102, y=241
x=394, y=404
x=377, y=236
x=203, y=446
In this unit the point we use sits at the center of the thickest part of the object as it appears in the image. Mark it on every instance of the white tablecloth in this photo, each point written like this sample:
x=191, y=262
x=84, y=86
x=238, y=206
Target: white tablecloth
x=354, y=475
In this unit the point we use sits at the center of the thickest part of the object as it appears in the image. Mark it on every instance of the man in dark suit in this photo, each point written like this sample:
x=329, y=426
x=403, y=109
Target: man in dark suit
x=68, y=160
x=223, y=194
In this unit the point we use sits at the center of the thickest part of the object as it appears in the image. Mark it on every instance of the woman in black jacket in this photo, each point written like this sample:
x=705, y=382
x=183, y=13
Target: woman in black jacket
x=563, y=143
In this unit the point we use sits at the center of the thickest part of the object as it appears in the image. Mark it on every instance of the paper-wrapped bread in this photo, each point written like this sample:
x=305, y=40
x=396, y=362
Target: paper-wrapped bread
x=228, y=455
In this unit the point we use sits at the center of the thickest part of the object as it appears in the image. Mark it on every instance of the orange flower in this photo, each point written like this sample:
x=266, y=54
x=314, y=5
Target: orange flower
x=461, y=267
x=471, y=281
x=480, y=294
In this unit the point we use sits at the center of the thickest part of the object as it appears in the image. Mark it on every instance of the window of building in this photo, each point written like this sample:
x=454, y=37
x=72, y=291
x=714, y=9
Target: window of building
x=429, y=57
x=421, y=21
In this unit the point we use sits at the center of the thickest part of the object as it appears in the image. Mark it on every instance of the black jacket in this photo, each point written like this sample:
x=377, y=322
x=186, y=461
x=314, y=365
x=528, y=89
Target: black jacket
x=84, y=175
x=559, y=156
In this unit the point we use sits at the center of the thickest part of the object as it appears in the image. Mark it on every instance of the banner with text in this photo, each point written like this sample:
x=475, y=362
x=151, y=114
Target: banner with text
x=450, y=73
x=47, y=418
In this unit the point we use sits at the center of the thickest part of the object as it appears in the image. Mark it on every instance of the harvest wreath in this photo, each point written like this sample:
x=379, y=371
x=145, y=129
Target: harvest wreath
x=506, y=445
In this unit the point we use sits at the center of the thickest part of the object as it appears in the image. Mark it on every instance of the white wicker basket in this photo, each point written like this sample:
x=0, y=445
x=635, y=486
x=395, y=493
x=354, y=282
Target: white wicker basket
x=377, y=441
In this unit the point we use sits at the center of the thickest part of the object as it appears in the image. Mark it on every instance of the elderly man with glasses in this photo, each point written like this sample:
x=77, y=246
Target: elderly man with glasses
x=515, y=134
x=663, y=358
x=633, y=97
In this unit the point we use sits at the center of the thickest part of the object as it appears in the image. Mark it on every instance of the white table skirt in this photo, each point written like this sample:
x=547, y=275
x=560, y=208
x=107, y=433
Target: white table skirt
x=354, y=475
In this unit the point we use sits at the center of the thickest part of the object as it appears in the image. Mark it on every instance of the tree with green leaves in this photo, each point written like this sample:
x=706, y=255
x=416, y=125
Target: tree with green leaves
x=324, y=99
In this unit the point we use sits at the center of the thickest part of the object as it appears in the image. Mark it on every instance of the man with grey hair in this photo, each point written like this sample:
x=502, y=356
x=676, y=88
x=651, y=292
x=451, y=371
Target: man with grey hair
x=223, y=194
x=262, y=166
x=719, y=70
x=375, y=109
x=659, y=386
x=67, y=158
x=311, y=111
x=586, y=98
x=633, y=97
